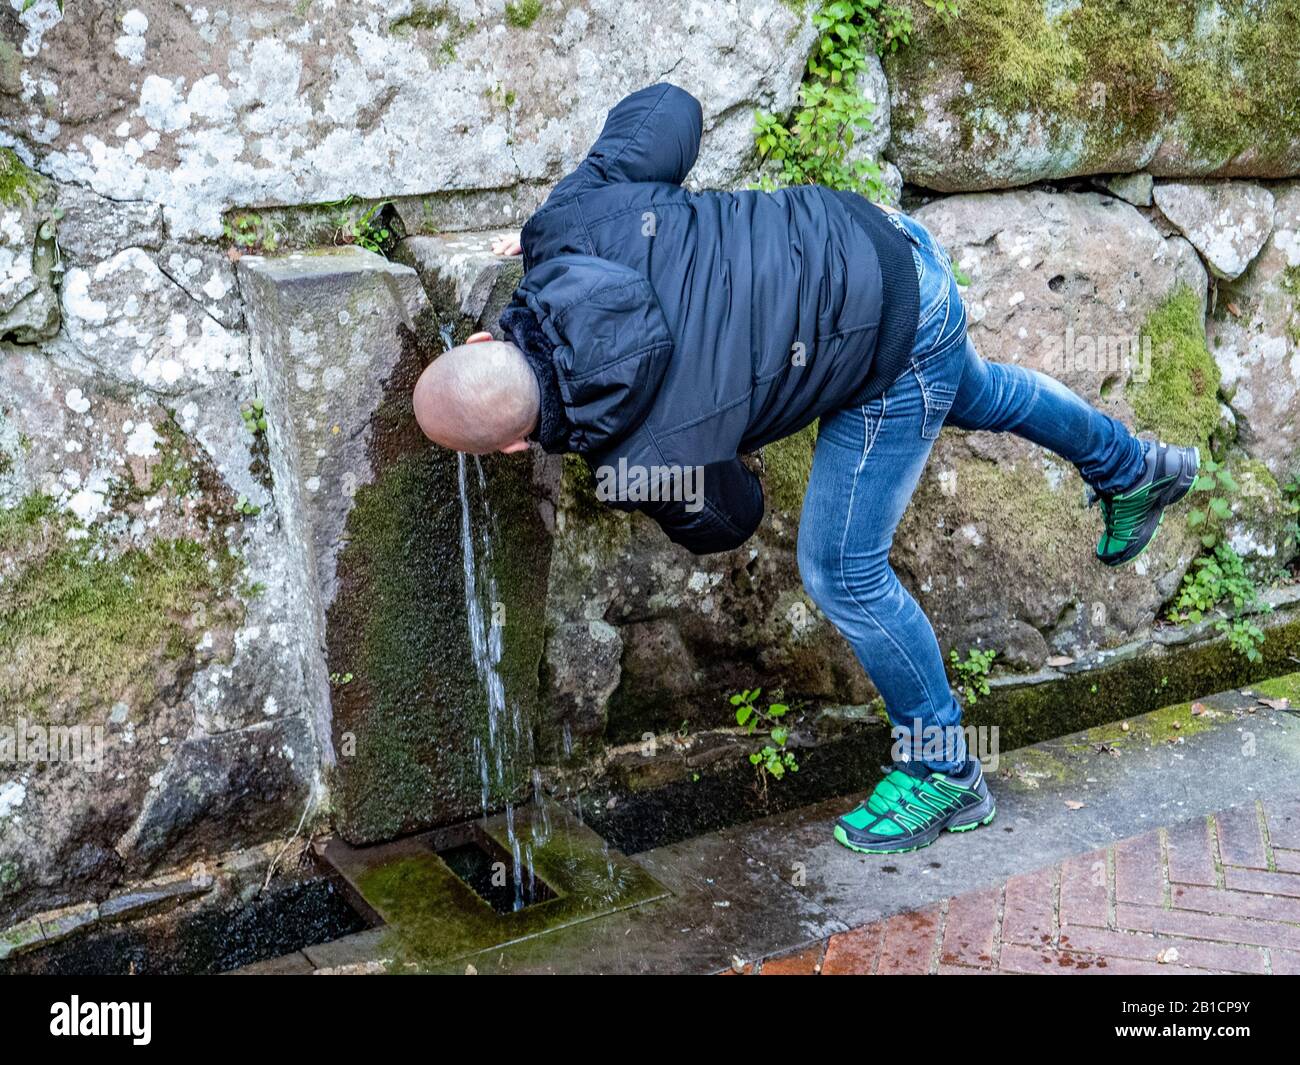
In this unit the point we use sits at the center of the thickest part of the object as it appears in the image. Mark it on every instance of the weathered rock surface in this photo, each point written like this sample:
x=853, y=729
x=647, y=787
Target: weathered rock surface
x=127, y=321
x=1136, y=189
x=247, y=104
x=329, y=326
x=461, y=272
x=154, y=689
x=1030, y=90
x=1226, y=221
x=1254, y=334
x=1080, y=286
x=29, y=304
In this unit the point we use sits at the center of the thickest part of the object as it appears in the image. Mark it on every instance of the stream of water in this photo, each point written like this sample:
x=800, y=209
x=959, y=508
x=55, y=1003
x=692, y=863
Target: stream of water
x=508, y=735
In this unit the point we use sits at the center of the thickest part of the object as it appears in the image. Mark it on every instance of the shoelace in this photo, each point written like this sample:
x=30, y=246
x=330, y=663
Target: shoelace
x=1122, y=514
x=888, y=797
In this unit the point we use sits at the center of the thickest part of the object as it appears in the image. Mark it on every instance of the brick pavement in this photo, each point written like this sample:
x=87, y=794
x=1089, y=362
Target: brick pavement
x=1220, y=894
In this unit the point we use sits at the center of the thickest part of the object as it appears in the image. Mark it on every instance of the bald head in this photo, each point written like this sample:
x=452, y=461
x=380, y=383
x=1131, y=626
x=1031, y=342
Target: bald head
x=478, y=397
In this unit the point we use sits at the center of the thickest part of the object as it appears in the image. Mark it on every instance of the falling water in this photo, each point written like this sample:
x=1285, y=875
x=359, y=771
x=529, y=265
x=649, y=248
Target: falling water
x=507, y=736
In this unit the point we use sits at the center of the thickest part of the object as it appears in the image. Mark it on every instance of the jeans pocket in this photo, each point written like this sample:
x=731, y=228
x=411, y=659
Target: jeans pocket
x=938, y=401
x=936, y=374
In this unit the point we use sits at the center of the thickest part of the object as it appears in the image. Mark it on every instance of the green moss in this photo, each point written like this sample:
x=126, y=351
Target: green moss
x=1284, y=687
x=787, y=465
x=173, y=469
x=17, y=183
x=1124, y=689
x=523, y=14
x=1052, y=521
x=434, y=916
x=1157, y=726
x=590, y=524
x=1180, y=401
x=9, y=878
x=437, y=17
x=1290, y=284
x=17, y=523
x=82, y=627
x=1032, y=767
x=1226, y=71
x=423, y=18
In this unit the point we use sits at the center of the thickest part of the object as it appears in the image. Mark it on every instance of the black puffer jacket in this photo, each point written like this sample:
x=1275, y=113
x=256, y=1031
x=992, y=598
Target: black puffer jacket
x=678, y=329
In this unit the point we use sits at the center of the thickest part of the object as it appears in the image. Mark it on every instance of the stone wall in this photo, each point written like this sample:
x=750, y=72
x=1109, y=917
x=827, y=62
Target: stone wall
x=226, y=552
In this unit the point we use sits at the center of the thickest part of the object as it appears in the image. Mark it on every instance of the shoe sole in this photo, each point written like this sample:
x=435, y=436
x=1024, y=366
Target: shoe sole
x=842, y=838
x=1174, y=493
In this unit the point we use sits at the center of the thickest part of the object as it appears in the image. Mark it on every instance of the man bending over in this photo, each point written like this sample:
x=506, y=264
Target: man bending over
x=659, y=329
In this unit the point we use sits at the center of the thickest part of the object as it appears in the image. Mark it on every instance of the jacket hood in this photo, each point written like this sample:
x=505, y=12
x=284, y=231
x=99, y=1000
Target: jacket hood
x=653, y=135
x=611, y=344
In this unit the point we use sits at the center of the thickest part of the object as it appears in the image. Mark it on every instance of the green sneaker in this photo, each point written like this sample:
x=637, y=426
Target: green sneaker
x=1133, y=518
x=909, y=809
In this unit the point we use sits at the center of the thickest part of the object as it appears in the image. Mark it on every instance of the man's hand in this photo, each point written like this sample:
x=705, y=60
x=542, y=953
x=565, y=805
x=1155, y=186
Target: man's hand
x=507, y=246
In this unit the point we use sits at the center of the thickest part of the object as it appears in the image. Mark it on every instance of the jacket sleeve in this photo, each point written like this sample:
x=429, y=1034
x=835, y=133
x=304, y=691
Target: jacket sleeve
x=652, y=135
x=725, y=515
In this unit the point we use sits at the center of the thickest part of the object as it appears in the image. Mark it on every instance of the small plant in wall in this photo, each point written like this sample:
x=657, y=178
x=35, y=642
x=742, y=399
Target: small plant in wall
x=772, y=759
x=254, y=415
x=366, y=229
x=1218, y=578
x=813, y=145
x=248, y=231
x=1211, y=490
x=972, y=673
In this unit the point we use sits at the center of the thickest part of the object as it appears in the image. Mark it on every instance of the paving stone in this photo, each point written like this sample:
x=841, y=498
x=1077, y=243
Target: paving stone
x=1287, y=884
x=20, y=937
x=1237, y=903
x=1287, y=861
x=1063, y=963
x=59, y=924
x=1138, y=876
x=1208, y=926
x=805, y=962
x=909, y=942
x=1028, y=908
x=854, y=953
x=350, y=950
x=1190, y=853
x=1110, y=944
x=1283, y=824
x=295, y=964
x=148, y=900
x=1084, y=897
x=971, y=929
x=1240, y=842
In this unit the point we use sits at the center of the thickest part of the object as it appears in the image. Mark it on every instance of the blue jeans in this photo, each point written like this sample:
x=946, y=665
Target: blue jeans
x=866, y=467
